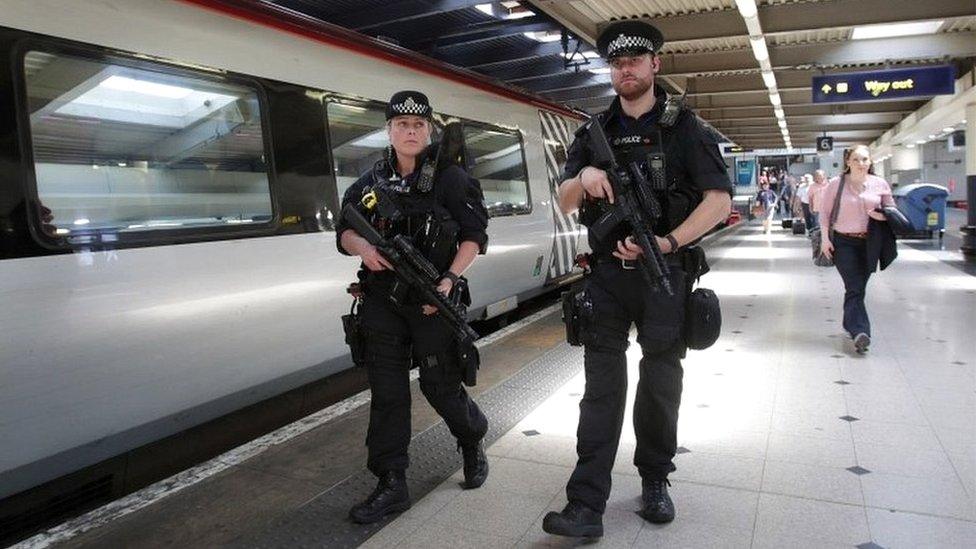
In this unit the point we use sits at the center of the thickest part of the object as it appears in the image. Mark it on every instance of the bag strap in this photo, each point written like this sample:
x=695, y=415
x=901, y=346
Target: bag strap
x=836, y=208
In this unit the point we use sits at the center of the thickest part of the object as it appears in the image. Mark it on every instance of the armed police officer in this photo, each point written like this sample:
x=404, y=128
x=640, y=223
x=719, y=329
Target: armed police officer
x=687, y=179
x=445, y=218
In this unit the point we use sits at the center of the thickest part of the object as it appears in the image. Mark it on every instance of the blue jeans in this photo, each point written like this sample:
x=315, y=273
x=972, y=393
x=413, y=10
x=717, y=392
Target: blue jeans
x=850, y=258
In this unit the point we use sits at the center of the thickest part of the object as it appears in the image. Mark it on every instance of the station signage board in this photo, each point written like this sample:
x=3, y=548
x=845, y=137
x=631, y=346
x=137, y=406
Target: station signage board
x=884, y=85
x=735, y=149
x=825, y=144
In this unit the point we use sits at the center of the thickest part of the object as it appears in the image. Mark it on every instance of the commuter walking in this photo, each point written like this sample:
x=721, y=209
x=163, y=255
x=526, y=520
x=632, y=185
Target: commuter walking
x=857, y=237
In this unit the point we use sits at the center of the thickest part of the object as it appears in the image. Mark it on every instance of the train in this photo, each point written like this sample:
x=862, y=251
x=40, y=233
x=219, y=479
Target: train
x=170, y=175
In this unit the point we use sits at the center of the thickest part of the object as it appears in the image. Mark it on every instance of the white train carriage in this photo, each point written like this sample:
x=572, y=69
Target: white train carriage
x=192, y=156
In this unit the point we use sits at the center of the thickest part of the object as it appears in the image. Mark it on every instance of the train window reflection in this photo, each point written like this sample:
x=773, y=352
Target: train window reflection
x=495, y=159
x=359, y=139
x=120, y=149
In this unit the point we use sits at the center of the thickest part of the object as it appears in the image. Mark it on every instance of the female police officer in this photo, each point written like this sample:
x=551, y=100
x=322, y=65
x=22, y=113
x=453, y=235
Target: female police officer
x=399, y=329
x=693, y=189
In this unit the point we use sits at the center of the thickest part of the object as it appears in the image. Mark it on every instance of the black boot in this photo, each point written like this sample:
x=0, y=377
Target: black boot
x=390, y=496
x=658, y=507
x=575, y=520
x=475, y=465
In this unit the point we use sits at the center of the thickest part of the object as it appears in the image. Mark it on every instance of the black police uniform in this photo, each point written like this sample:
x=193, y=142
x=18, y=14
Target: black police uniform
x=619, y=297
x=396, y=335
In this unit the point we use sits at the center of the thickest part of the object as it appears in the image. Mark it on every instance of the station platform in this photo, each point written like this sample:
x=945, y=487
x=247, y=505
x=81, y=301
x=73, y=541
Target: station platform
x=787, y=437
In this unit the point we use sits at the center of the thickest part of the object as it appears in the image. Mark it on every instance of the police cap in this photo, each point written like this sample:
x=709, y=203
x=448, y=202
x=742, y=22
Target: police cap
x=629, y=38
x=408, y=103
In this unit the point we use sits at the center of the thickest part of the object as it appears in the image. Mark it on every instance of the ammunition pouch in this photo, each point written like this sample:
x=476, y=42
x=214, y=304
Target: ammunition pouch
x=354, y=329
x=577, y=310
x=443, y=371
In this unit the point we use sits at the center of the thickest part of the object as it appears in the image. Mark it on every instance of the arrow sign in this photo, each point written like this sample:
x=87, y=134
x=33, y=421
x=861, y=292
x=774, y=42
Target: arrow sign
x=881, y=85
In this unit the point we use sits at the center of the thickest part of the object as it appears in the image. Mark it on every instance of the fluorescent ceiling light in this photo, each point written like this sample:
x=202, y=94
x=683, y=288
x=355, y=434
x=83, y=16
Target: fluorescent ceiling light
x=895, y=29
x=775, y=99
x=920, y=142
x=780, y=113
x=747, y=8
x=759, y=49
x=769, y=79
x=485, y=9
x=542, y=36
x=520, y=14
x=82, y=221
x=586, y=54
x=910, y=145
x=782, y=124
x=601, y=70
x=949, y=129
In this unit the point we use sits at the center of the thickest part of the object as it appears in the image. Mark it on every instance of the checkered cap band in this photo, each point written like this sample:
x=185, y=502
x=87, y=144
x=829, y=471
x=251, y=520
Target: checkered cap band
x=409, y=106
x=624, y=42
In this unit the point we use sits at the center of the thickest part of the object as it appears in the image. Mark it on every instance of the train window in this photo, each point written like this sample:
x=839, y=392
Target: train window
x=358, y=136
x=119, y=149
x=495, y=158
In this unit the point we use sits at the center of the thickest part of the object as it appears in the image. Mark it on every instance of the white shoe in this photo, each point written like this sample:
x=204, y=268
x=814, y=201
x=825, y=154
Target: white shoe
x=861, y=342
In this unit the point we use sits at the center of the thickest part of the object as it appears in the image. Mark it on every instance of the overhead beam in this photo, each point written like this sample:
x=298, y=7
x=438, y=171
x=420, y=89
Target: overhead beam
x=502, y=56
x=398, y=12
x=568, y=81
x=477, y=34
x=885, y=119
x=801, y=128
x=939, y=46
x=903, y=107
x=775, y=18
x=749, y=99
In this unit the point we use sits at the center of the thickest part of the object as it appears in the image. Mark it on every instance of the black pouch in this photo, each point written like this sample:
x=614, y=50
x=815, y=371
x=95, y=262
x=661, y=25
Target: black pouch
x=576, y=310
x=470, y=361
x=353, y=327
x=703, y=319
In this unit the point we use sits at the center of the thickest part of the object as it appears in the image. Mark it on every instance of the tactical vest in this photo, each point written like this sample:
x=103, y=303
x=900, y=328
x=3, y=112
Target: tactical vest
x=651, y=149
x=424, y=220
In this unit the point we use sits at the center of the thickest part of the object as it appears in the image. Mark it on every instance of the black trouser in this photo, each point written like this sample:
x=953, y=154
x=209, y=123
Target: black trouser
x=620, y=297
x=850, y=258
x=395, y=335
x=807, y=216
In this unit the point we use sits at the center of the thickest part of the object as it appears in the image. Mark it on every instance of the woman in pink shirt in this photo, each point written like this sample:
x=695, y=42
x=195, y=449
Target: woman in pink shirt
x=863, y=192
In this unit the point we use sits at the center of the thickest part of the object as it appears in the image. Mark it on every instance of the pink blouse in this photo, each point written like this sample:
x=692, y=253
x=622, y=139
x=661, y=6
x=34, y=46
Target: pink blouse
x=855, y=209
x=813, y=195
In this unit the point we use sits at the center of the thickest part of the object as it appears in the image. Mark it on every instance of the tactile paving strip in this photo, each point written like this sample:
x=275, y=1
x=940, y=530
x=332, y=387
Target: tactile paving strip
x=322, y=521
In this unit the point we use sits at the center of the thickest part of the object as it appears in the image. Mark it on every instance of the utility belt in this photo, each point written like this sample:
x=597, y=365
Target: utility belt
x=703, y=316
x=690, y=259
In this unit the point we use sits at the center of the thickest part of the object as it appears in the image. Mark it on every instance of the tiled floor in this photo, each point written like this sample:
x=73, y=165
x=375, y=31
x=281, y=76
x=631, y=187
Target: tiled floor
x=788, y=438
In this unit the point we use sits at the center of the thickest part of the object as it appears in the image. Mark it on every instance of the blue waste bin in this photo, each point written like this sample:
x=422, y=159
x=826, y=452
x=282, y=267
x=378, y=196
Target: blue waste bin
x=924, y=205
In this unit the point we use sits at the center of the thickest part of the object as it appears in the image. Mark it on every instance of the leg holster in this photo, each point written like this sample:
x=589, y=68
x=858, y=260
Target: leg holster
x=352, y=325
x=577, y=311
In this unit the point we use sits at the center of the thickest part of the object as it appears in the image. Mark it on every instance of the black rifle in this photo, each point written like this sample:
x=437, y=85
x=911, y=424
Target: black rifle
x=634, y=203
x=417, y=272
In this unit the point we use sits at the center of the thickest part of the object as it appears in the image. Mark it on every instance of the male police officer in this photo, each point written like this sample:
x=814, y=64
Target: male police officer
x=399, y=329
x=640, y=121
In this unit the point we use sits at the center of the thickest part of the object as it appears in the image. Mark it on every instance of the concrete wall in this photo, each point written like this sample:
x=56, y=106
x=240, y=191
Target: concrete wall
x=939, y=166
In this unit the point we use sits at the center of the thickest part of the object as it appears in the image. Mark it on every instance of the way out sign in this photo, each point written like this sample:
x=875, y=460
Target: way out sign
x=885, y=85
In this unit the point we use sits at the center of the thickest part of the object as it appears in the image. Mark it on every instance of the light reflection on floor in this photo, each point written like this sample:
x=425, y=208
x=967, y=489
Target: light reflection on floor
x=787, y=437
